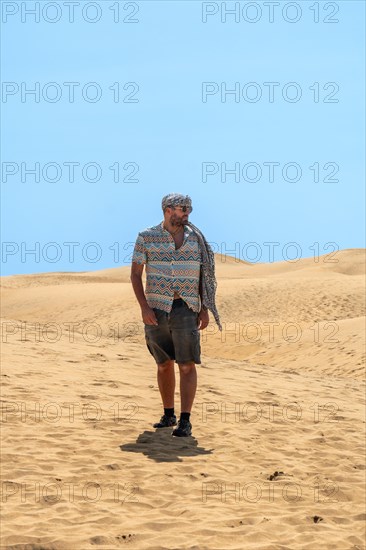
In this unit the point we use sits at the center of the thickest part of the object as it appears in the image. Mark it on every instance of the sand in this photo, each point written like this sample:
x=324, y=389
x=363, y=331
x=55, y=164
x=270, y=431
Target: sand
x=276, y=460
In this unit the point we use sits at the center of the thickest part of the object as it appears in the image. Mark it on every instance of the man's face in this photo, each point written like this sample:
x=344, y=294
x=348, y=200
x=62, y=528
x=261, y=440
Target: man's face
x=176, y=216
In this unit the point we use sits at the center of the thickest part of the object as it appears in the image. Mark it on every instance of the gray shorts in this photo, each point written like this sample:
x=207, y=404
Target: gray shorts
x=176, y=336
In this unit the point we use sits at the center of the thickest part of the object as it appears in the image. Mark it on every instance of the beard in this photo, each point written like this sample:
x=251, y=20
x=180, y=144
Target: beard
x=175, y=221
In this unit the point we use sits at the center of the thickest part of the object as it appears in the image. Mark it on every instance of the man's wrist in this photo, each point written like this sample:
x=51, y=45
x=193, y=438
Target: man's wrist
x=203, y=308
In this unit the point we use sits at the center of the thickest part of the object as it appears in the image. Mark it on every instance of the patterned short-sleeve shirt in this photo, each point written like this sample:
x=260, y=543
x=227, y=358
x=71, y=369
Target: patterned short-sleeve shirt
x=168, y=269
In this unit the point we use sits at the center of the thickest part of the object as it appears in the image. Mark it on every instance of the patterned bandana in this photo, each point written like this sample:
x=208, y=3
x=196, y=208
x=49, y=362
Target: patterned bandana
x=209, y=283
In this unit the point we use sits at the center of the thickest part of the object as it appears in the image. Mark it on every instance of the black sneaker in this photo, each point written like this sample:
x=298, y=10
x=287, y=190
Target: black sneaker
x=184, y=429
x=166, y=421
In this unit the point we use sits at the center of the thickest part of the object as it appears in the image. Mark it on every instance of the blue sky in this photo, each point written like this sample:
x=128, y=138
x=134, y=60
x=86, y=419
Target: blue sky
x=165, y=137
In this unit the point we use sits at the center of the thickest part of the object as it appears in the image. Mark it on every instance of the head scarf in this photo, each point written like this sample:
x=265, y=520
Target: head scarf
x=209, y=284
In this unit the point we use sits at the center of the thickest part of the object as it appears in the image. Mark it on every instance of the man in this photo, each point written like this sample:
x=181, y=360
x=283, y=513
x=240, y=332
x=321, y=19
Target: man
x=180, y=288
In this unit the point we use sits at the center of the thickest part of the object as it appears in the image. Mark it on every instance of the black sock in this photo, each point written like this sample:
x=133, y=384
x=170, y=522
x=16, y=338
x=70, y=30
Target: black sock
x=185, y=416
x=169, y=412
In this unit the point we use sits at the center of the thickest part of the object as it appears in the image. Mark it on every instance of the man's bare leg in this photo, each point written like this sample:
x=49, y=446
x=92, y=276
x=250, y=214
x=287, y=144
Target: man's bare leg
x=166, y=383
x=188, y=385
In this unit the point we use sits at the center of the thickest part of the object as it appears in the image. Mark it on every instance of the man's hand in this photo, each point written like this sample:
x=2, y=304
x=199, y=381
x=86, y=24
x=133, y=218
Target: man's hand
x=148, y=316
x=203, y=319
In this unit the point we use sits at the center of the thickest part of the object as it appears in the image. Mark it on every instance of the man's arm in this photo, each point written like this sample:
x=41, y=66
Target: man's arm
x=148, y=315
x=136, y=280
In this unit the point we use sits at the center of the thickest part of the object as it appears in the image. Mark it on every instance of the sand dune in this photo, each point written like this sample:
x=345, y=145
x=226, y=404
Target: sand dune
x=276, y=460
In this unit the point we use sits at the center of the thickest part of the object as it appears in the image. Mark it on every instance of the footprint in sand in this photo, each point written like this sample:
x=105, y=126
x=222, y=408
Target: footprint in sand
x=273, y=477
x=92, y=397
x=124, y=537
x=98, y=357
x=112, y=467
x=99, y=540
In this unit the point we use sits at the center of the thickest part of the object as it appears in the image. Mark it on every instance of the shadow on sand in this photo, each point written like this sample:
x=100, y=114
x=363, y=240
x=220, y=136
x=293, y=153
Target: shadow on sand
x=161, y=446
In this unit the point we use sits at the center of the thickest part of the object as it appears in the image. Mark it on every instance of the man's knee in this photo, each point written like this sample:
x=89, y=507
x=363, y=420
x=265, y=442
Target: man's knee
x=169, y=363
x=187, y=367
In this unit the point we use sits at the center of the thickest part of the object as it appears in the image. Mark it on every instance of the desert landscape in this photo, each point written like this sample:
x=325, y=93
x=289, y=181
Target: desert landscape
x=277, y=456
